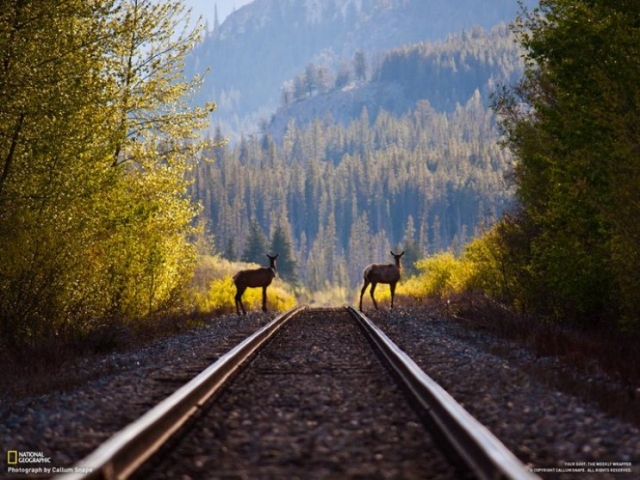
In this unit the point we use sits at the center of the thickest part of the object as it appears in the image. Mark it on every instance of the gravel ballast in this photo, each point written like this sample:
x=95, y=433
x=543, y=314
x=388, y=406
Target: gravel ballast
x=315, y=403
x=551, y=431
x=557, y=435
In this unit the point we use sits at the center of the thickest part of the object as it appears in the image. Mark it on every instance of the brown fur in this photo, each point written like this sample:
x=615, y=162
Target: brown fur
x=258, y=277
x=382, y=273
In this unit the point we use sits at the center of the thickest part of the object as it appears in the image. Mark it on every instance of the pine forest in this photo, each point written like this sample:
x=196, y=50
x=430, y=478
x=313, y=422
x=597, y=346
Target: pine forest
x=344, y=194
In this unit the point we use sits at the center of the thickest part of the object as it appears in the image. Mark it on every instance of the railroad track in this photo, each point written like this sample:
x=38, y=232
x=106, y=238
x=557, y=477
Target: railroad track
x=307, y=396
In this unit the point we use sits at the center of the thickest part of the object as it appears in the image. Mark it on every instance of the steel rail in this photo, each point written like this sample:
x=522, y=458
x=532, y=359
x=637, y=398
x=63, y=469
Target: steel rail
x=483, y=453
x=126, y=450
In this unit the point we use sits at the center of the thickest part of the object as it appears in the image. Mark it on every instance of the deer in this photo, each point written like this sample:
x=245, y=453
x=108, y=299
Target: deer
x=382, y=273
x=257, y=277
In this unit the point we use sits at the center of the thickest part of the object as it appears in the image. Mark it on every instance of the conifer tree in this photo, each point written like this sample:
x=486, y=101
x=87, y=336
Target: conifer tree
x=256, y=246
x=287, y=265
x=360, y=65
x=411, y=249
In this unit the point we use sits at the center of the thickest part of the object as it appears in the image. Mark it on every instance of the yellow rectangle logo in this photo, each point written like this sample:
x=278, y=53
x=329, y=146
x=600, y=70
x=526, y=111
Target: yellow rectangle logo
x=12, y=457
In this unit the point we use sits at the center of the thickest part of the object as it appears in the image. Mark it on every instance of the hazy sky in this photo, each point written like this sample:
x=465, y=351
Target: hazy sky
x=206, y=8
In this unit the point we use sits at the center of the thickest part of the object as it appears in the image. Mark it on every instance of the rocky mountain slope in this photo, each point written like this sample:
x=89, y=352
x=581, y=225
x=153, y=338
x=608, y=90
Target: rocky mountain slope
x=265, y=43
x=445, y=74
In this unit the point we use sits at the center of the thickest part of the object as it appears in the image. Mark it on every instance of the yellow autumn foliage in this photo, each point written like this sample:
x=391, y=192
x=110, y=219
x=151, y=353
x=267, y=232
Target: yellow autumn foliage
x=443, y=275
x=214, y=290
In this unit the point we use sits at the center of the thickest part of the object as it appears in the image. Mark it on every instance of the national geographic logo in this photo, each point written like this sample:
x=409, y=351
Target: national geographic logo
x=15, y=457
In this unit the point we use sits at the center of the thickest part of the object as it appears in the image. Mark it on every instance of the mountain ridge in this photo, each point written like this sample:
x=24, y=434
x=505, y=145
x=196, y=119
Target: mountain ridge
x=467, y=63
x=265, y=43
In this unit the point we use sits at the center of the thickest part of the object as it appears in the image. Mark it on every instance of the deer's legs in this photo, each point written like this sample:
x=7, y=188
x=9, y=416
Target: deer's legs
x=373, y=288
x=392, y=286
x=264, y=299
x=239, y=304
x=366, y=284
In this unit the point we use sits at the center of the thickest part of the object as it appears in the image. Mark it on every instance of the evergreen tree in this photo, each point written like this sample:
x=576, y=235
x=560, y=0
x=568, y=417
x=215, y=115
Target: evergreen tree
x=343, y=76
x=311, y=79
x=287, y=265
x=436, y=242
x=256, y=246
x=216, y=20
x=411, y=249
x=360, y=65
x=229, y=251
x=359, y=255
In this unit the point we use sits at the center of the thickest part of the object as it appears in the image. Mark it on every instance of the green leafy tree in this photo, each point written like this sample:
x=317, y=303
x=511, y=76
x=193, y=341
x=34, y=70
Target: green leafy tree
x=570, y=124
x=154, y=141
x=52, y=131
x=96, y=143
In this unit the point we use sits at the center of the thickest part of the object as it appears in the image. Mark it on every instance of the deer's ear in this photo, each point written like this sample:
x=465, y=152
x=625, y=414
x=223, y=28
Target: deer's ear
x=402, y=253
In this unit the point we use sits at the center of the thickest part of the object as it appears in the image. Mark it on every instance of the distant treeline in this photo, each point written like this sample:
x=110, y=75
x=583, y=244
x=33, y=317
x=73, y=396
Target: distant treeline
x=345, y=195
x=422, y=178
x=446, y=73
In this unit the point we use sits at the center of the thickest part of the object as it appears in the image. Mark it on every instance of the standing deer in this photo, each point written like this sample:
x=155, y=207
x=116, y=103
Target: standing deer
x=258, y=277
x=382, y=273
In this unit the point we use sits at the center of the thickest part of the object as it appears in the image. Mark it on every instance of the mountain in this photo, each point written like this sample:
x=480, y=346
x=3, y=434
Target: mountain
x=379, y=140
x=268, y=42
x=445, y=73
x=408, y=158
